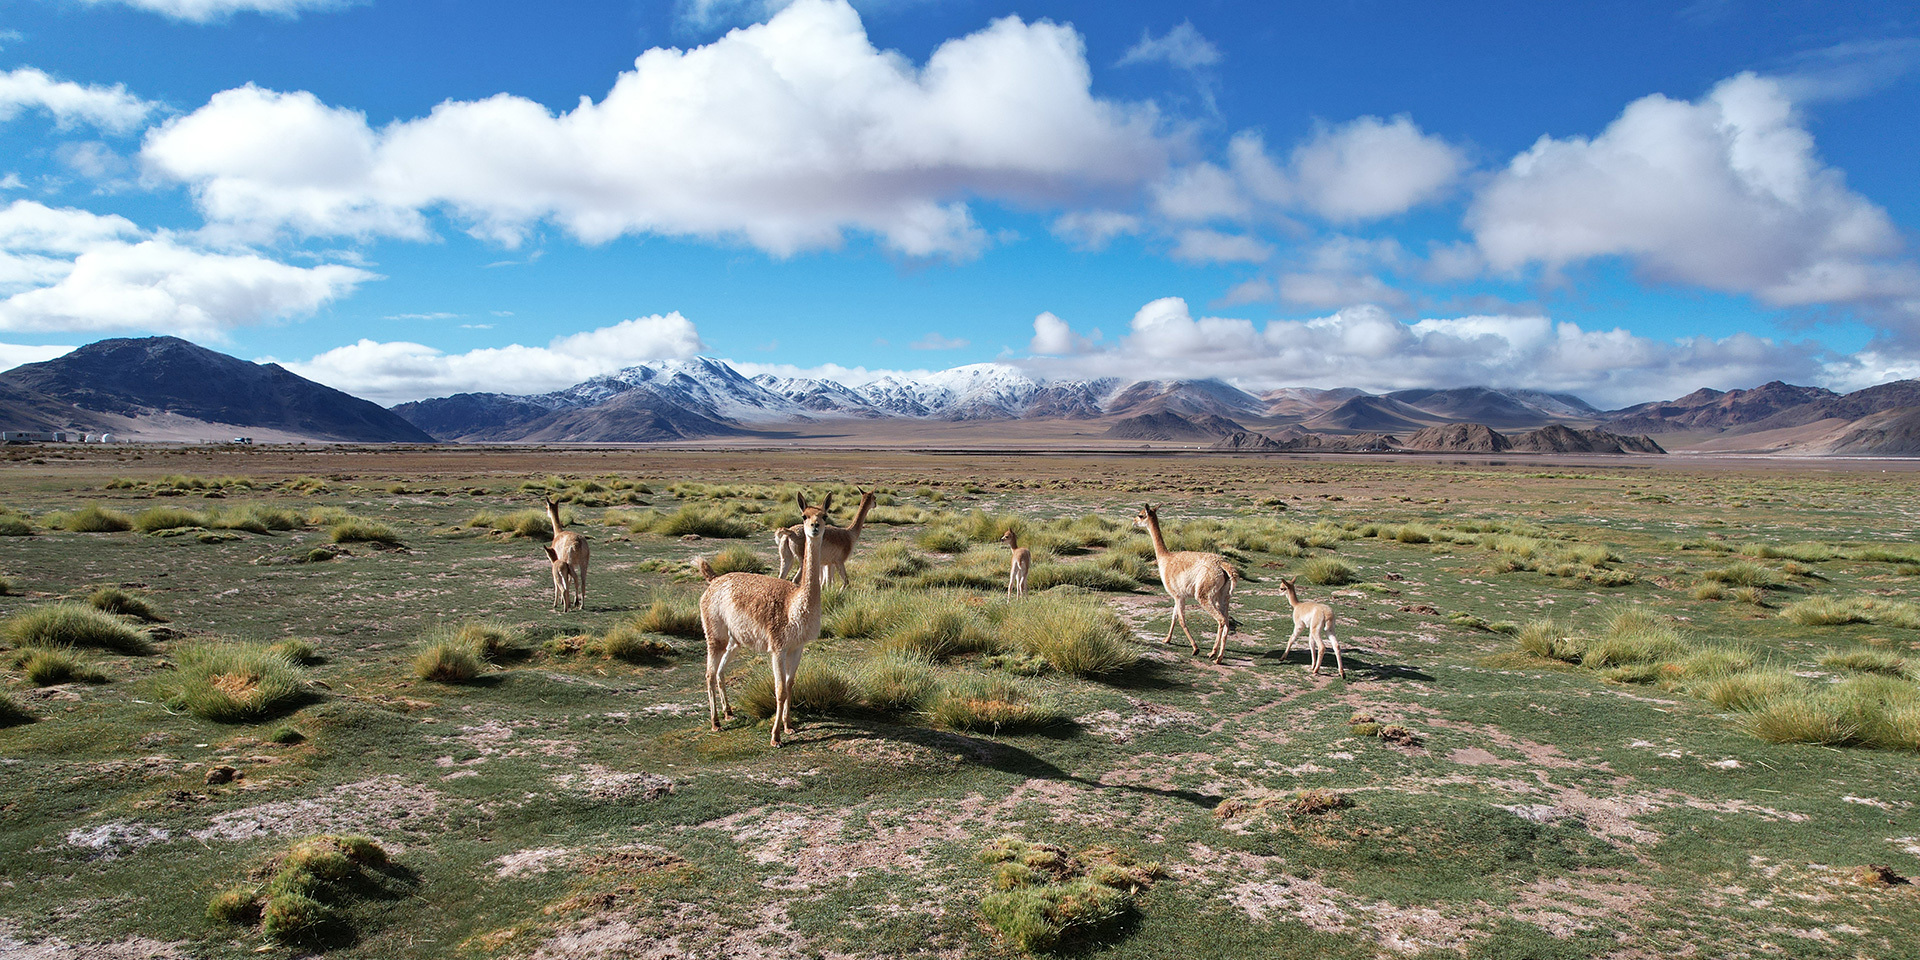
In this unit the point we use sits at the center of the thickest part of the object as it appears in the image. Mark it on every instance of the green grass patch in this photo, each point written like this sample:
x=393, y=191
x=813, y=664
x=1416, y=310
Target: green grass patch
x=739, y=558
x=1327, y=572
x=1051, y=900
x=47, y=666
x=12, y=714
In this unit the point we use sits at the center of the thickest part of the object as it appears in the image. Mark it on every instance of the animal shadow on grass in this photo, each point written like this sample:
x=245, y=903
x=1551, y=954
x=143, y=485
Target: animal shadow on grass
x=1144, y=674
x=1358, y=666
x=1006, y=757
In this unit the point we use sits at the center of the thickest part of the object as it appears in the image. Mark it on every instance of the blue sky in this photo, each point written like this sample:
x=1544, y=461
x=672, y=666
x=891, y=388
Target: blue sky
x=407, y=199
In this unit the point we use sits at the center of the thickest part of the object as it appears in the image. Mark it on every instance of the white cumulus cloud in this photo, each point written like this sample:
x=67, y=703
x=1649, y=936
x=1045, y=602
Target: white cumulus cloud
x=63, y=269
x=398, y=371
x=15, y=354
x=70, y=104
x=786, y=135
x=1725, y=193
x=1365, y=347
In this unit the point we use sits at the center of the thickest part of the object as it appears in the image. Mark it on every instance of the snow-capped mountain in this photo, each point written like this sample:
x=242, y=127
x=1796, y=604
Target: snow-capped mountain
x=702, y=396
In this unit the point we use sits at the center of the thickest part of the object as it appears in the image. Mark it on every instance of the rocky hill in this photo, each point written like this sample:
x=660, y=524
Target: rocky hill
x=117, y=384
x=1172, y=427
x=1459, y=438
x=1889, y=433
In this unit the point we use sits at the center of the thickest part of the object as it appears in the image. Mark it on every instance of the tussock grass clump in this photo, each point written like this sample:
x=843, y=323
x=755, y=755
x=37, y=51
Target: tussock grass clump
x=1869, y=660
x=446, y=660
x=935, y=626
x=72, y=625
x=15, y=525
x=253, y=518
x=522, y=523
x=1827, y=611
x=11, y=712
x=942, y=540
x=1550, y=639
x=1131, y=565
x=1073, y=635
x=356, y=530
x=1743, y=574
x=989, y=703
x=896, y=682
x=491, y=642
x=721, y=522
x=861, y=613
x=233, y=682
x=1090, y=576
x=156, y=519
x=95, y=519
x=306, y=889
x=296, y=650
x=1050, y=899
x=1327, y=572
x=117, y=601
x=47, y=666
x=1749, y=689
x=629, y=643
x=739, y=559
x=1633, y=637
x=894, y=560
x=671, y=616
x=819, y=688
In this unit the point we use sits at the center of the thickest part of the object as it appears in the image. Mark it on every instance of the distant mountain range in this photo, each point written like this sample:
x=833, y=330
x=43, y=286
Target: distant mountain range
x=167, y=388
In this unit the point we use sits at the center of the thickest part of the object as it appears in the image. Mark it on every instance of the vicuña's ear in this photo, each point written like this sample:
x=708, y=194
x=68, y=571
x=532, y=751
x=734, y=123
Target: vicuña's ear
x=551, y=556
x=827, y=504
x=803, y=501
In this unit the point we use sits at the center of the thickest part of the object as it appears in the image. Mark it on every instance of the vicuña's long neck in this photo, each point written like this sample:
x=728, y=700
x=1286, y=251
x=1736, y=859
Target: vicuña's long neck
x=553, y=515
x=810, y=569
x=1293, y=599
x=1159, y=542
x=860, y=519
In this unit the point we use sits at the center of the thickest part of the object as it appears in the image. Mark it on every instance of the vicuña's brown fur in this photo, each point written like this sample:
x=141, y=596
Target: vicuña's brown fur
x=837, y=543
x=768, y=615
x=1316, y=619
x=1204, y=577
x=1022, y=558
x=568, y=554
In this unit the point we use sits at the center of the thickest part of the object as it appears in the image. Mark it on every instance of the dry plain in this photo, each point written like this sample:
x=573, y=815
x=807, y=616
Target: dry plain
x=1627, y=707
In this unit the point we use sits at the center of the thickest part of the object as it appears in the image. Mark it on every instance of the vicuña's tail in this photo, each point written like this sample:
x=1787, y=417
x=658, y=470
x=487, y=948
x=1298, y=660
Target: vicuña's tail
x=1234, y=573
x=705, y=568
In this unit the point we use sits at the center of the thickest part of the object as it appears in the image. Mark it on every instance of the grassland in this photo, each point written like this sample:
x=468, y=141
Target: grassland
x=1557, y=737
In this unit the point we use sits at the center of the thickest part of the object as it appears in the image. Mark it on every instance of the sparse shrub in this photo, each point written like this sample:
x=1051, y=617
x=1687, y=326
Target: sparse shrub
x=1709, y=591
x=1753, y=596
x=233, y=682
x=699, y=520
x=1633, y=636
x=355, y=530
x=1413, y=533
x=521, y=523
x=446, y=660
x=117, y=601
x=991, y=703
x=72, y=625
x=296, y=650
x=94, y=519
x=738, y=559
x=1327, y=572
x=1073, y=635
x=893, y=560
x=1811, y=717
x=156, y=519
x=298, y=904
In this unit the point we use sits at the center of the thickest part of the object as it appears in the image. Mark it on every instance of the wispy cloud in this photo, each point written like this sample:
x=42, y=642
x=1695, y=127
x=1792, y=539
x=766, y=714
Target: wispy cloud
x=936, y=341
